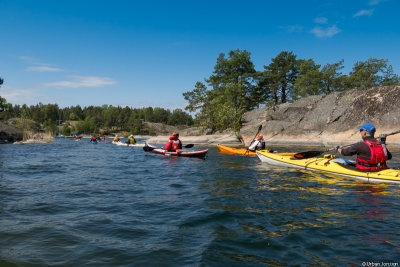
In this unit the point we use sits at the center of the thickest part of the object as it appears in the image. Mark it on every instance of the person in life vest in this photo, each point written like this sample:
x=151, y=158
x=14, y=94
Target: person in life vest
x=372, y=154
x=94, y=139
x=131, y=140
x=116, y=138
x=257, y=144
x=174, y=143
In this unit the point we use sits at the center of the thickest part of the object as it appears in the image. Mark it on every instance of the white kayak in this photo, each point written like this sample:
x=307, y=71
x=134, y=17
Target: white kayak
x=125, y=144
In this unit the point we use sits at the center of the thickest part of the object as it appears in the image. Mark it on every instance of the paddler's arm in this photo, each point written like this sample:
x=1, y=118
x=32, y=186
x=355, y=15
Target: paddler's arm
x=350, y=151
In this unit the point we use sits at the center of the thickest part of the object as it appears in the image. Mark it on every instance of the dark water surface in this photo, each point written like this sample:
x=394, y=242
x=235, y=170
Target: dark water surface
x=78, y=204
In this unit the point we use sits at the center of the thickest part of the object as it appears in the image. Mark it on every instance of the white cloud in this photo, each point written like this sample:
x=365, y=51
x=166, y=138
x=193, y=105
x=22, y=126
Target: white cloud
x=364, y=12
x=44, y=69
x=38, y=66
x=82, y=81
x=19, y=96
x=321, y=20
x=325, y=32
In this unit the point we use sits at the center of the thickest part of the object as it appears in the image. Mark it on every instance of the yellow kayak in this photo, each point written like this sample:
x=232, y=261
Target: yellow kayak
x=330, y=165
x=240, y=151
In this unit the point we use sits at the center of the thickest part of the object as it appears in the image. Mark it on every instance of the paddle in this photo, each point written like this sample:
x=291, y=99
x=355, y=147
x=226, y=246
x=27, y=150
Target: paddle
x=259, y=129
x=310, y=154
x=386, y=135
x=149, y=148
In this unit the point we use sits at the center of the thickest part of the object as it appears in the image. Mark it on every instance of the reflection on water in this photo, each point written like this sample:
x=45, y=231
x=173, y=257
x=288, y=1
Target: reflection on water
x=118, y=206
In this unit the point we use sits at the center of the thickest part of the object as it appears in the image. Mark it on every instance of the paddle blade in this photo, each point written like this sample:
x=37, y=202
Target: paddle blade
x=307, y=154
x=148, y=149
x=189, y=146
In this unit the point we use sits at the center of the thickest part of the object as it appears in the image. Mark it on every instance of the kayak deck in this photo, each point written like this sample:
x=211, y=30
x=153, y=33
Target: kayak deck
x=180, y=152
x=329, y=165
x=239, y=151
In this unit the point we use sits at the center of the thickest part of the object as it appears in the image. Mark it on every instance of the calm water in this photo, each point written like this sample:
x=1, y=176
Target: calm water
x=78, y=204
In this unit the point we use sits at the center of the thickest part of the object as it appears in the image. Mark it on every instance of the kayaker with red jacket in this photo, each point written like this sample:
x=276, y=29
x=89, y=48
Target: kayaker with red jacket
x=174, y=143
x=372, y=154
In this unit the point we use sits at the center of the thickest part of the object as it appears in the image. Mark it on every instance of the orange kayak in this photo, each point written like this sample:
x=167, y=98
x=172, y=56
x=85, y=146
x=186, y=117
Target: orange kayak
x=240, y=151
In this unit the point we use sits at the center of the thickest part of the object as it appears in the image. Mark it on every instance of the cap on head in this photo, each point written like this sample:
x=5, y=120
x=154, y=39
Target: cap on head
x=368, y=127
x=175, y=134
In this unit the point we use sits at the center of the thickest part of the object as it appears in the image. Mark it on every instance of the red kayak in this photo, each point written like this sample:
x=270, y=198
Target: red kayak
x=179, y=153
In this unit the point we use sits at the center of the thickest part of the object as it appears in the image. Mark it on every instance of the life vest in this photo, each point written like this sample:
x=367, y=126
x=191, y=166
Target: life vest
x=175, y=145
x=261, y=145
x=132, y=140
x=94, y=139
x=379, y=156
x=116, y=139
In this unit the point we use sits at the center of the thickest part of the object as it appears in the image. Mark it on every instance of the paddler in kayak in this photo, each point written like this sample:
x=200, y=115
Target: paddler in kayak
x=174, y=143
x=94, y=139
x=116, y=138
x=131, y=140
x=372, y=154
x=257, y=144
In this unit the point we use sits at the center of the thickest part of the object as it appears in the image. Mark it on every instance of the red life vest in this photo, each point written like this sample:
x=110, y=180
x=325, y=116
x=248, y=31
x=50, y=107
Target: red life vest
x=173, y=144
x=379, y=156
x=176, y=144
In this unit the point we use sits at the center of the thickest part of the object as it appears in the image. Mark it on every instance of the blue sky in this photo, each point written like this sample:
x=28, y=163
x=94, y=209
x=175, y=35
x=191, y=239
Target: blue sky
x=146, y=53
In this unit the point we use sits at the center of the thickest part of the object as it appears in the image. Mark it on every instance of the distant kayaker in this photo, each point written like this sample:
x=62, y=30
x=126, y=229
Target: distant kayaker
x=258, y=143
x=131, y=140
x=174, y=143
x=94, y=139
x=372, y=154
x=116, y=138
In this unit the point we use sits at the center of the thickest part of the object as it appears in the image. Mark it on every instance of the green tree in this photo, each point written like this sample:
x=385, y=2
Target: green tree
x=197, y=98
x=332, y=78
x=50, y=126
x=87, y=126
x=372, y=72
x=66, y=130
x=233, y=79
x=282, y=74
x=233, y=88
x=309, y=80
x=179, y=117
x=3, y=101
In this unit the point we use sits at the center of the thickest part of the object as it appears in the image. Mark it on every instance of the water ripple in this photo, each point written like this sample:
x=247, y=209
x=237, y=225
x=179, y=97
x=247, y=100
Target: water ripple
x=78, y=204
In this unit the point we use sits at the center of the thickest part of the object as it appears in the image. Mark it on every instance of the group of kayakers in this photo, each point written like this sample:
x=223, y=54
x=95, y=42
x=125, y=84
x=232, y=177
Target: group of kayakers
x=372, y=153
x=131, y=139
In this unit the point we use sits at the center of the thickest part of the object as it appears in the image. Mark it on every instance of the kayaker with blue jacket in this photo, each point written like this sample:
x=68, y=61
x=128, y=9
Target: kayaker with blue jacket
x=174, y=143
x=372, y=154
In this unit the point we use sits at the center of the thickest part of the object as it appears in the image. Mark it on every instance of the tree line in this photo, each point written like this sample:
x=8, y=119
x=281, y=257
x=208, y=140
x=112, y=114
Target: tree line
x=95, y=119
x=235, y=86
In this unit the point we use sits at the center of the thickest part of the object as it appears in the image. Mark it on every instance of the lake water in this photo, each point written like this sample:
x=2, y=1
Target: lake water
x=79, y=204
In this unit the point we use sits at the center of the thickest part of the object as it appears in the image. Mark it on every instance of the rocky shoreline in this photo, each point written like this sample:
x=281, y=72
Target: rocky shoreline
x=311, y=121
x=327, y=120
